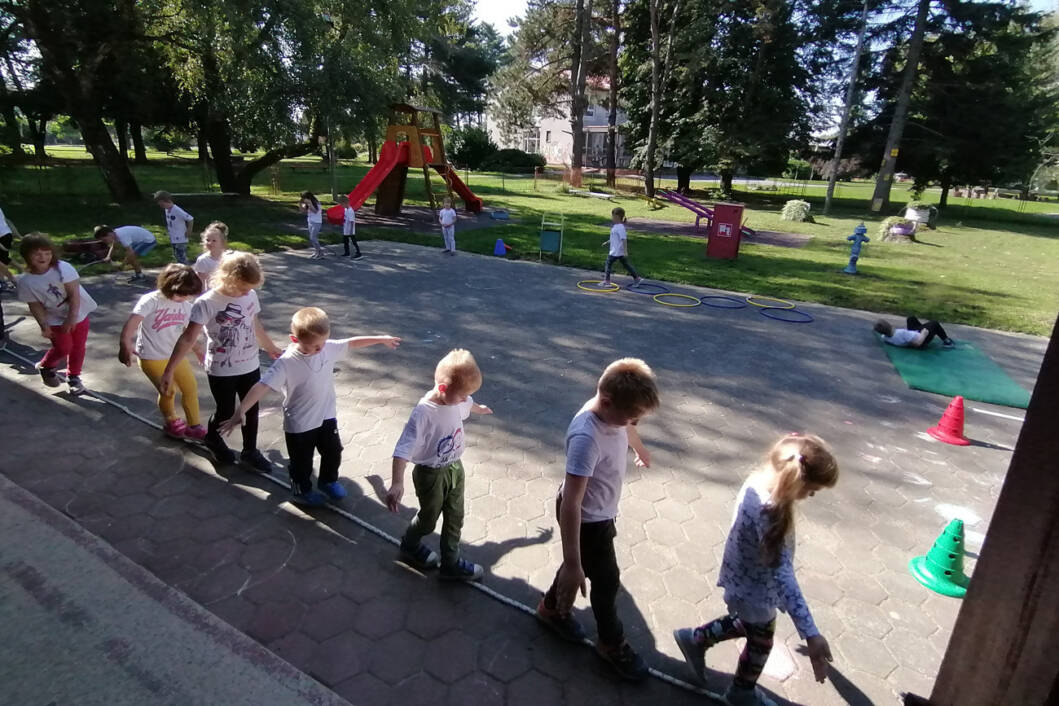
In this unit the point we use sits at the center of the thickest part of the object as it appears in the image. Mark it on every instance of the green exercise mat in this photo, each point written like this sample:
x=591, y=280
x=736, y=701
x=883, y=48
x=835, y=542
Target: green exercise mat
x=963, y=370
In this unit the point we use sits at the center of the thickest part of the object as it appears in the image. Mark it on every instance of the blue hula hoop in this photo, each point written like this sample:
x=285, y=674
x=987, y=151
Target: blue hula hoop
x=771, y=313
x=637, y=288
x=733, y=303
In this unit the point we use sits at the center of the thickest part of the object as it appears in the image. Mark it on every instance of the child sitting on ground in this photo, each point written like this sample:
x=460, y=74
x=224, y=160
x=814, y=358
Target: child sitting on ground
x=914, y=335
x=619, y=248
x=229, y=314
x=757, y=572
x=433, y=441
x=151, y=331
x=597, y=446
x=304, y=374
x=214, y=245
x=52, y=289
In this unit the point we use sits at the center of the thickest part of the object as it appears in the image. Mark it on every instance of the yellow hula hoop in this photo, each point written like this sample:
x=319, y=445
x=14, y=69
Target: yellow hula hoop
x=750, y=300
x=660, y=298
x=597, y=290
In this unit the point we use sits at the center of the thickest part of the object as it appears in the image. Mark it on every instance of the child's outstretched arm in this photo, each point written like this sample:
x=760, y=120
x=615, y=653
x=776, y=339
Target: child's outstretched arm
x=365, y=341
x=643, y=456
x=258, y=391
x=184, y=344
x=480, y=409
x=127, y=342
x=264, y=341
x=396, y=491
x=571, y=576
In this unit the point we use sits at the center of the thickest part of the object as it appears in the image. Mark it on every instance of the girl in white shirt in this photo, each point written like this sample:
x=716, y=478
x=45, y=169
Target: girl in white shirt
x=214, y=245
x=310, y=206
x=757, y=571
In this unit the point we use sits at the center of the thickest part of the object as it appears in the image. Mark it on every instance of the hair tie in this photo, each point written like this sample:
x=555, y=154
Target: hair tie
x=796, y=457
x=443, y=388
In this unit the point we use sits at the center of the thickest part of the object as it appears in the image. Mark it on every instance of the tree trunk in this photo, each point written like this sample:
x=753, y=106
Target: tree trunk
x=881, y=197
x=203, y=144
x=245, y=176
x=12, y=134
x=944, y=200
x=137, y=143
x=726, y=182
x=612, y=119
x=578, y=79
x=658, y=74
x=847, y=110
x=220, y=140
x=119, y=179
x=121, y=129
x=38, y=133
x=684, y=178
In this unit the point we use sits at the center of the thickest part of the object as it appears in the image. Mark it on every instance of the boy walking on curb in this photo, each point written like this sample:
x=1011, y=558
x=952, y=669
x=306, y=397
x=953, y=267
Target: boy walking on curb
x=597, y=444
x=178, y=223
x=433, y=441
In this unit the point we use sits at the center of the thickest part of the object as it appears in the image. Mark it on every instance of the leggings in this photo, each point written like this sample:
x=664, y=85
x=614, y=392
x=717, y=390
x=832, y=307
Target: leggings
x=623, y=260
x=184, y=379
x=314, y=235
x=448, y=233
x=347, y=239
x=225, y=389
x=755, y=652
x=933, y=328
x=67, y=346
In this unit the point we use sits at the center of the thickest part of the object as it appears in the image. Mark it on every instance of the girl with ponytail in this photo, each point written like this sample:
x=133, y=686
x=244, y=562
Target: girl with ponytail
x=757, y=572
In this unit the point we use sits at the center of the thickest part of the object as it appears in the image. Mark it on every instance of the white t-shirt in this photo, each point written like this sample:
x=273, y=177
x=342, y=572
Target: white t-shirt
x=447, y=217
x=600, y=452
x=315, y=215
x=902, y=337
x=349, y=222
x=176, y=220
x=231, y=346
x=4, y=227
x=205, y=264
x=307, y=384
x=618, y=240
x=133, y=235
x=163, y=322
x=49, y=290
x=433, y=435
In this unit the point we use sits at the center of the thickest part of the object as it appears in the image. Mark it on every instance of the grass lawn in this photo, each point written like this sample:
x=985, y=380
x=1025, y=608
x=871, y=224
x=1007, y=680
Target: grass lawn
x=991, y=263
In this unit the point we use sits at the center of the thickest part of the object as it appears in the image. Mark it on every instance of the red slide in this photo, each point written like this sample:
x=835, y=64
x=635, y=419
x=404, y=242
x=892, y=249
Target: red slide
x=390, y=156
x=470, y=201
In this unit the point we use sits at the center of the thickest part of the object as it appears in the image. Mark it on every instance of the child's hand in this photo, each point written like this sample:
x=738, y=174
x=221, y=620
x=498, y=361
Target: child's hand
x=390, y=342
x=567, y=583
x=125, y=357
x=66, y=327
x=642, y=460
x=274, y=352
x=227, y=427
x=482, y=409
x=166, y=383
x=393, y=496
x=820, y=656
x=46, y=332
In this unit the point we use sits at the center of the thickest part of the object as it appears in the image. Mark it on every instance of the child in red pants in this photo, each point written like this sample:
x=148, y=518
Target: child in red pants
x=61, y=306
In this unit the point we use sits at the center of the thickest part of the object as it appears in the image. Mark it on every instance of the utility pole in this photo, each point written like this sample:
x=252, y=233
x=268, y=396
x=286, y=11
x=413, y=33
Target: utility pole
x=847, y=110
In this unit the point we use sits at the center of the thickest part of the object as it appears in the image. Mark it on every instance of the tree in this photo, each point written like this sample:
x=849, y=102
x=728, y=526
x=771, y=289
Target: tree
x=613, y=75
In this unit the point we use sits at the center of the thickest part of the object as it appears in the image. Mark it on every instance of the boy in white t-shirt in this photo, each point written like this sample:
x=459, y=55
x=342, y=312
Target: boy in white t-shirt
x=619, y=247
x=305, y=376
x=447, y=218
x=136, y=241
x=178, y=222
x=349, y=229
x=597, y=444
x=433, y=441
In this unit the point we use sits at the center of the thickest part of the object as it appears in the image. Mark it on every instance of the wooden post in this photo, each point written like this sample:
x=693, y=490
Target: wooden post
x=1004, y=644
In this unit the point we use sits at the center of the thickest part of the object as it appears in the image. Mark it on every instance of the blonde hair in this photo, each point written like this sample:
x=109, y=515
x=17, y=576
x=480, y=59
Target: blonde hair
x=630, y=386
x=795, y=462
x=237, y=268
x=310, y=322
x=162, y=196
x=459, y=370
x=218, y=227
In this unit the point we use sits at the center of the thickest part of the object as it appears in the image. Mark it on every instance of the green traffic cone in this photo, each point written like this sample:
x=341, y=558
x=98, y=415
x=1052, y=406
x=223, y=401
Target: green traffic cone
x=941, y=570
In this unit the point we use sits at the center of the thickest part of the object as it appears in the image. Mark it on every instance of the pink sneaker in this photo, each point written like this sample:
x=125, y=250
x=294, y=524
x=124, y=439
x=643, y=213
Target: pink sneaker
x=195, y=433
x=175, y=428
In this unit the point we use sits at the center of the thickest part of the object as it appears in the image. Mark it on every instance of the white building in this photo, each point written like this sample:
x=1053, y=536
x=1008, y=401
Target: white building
x=551, y=137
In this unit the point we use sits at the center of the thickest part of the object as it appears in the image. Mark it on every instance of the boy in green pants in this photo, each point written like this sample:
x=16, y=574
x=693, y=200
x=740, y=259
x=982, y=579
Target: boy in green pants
x=433, y=441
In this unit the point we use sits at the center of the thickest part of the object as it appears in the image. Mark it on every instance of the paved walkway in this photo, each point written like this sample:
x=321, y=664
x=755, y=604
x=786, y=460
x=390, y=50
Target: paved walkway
x=326, y=595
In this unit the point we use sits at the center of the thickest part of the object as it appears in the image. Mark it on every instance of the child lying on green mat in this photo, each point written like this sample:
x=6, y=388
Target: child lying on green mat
x=914, y=335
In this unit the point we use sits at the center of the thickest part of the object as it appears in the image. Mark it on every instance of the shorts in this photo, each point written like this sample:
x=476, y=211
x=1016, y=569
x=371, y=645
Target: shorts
x=142, y=249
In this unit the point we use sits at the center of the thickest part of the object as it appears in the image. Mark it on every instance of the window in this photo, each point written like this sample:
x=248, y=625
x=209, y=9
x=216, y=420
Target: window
x=531, y=141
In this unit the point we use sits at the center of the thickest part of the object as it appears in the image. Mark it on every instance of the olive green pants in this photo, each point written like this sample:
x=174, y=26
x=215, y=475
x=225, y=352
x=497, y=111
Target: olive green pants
x=440, y=493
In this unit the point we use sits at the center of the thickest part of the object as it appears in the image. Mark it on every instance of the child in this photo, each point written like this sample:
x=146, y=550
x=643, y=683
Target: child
x=214, y=245
x=152, y=330
x=60, y=305
x=178, y=222
x=315, y=221
x=7, y=242
x=619, y=247
x=433, y=441
x=349, y=228
x=447, y=218
x=304, y=373
x=757, y=572
x=136, y=241
x=597, y=444
x=914, y=335
x=229, y=314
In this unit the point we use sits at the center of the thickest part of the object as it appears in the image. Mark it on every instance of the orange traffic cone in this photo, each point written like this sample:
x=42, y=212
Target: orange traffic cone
x=950, y=426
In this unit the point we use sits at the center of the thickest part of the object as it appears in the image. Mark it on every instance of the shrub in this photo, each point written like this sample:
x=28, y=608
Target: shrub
x=883, y=233
x=796, y=210
x=469, y=147
x=512, y=161
x=345, y=150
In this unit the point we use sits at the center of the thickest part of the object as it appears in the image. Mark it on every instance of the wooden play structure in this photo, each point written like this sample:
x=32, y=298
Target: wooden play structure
x=413, y=143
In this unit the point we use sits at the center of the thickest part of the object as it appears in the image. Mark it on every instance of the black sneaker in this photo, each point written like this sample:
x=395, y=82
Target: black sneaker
x=629, y=665
x=948, y=343
x=219, y=449
x=462, y=570
x=422, y=557
x=256, y=460
x=358, y=256
x=50, y=376
x=565, y=626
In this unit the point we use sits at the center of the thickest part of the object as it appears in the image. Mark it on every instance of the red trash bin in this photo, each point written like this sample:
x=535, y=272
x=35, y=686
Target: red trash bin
x=725, y=231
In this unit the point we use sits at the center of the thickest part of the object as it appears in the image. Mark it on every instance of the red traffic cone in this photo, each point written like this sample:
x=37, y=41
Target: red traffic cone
x=950, y=426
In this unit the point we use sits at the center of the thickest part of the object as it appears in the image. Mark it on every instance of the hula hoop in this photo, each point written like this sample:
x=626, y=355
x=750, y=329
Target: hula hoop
x=638, y=288
x=658, y=298
x=770, y=312
x=597, y=290
x=750, y=300
x=733, y=303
